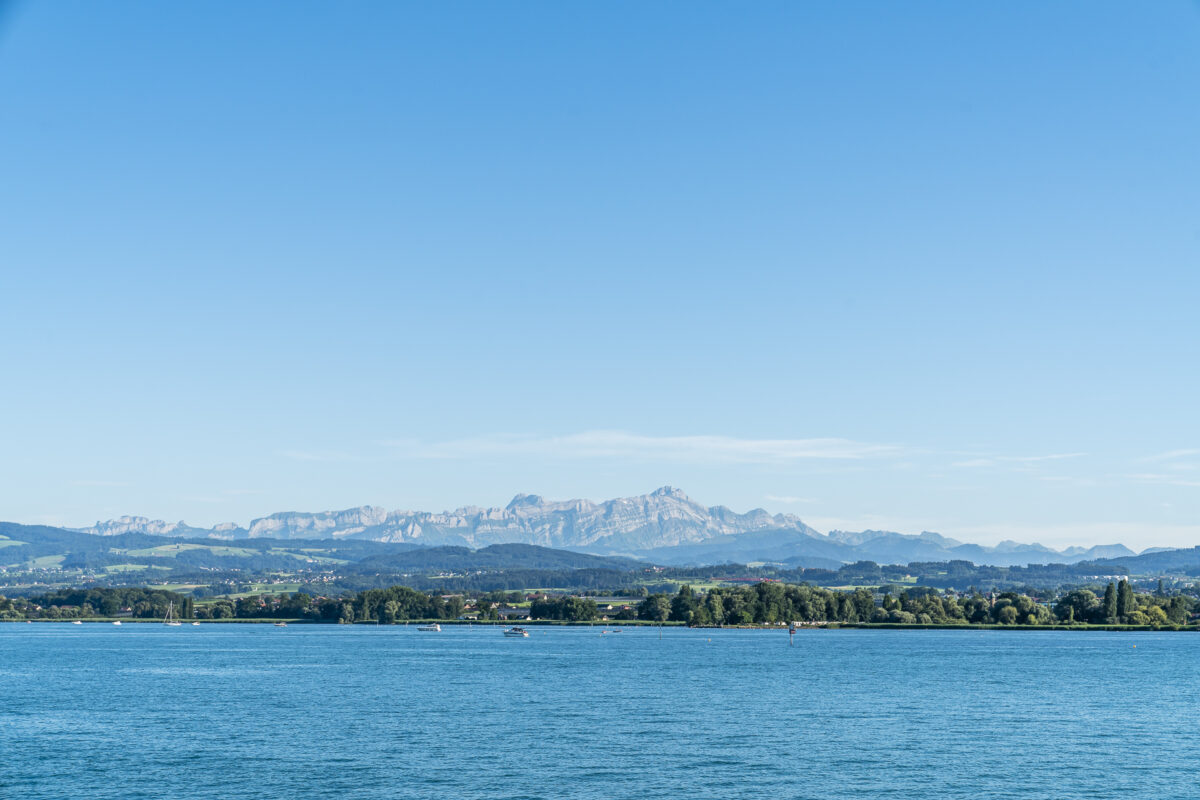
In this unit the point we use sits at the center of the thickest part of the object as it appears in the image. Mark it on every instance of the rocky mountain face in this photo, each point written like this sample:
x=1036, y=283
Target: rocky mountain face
x=153, y=527
x=664, y=518
x=665, y=526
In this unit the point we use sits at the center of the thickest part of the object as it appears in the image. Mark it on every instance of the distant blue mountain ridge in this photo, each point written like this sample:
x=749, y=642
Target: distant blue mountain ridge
x=665, y=527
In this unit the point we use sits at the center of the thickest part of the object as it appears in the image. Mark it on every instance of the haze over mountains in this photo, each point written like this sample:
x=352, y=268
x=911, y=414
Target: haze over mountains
x=665, y=527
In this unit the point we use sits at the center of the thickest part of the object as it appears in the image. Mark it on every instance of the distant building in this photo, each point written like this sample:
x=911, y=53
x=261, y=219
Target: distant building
x=513, y=612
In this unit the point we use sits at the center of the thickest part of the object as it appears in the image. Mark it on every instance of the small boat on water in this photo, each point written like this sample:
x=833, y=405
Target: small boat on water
x=516, y=631
x=434, y=627
x=169, y=619
x=280, y=624
x=116, y=622
x=197, y=624
x=77, y=622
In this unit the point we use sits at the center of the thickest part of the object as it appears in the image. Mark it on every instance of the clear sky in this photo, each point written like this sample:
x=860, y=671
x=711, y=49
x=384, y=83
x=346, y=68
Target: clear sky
x=901, y=265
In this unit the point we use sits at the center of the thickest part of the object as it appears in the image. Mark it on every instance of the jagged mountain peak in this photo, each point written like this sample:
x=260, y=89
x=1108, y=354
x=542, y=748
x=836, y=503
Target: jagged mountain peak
x=663, y=518
x=1106, y=551
x=522, y=500
x=1009, y=546
x=665, y=525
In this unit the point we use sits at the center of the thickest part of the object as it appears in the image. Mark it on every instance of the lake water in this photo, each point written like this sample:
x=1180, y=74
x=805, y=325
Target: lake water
x=253, y=711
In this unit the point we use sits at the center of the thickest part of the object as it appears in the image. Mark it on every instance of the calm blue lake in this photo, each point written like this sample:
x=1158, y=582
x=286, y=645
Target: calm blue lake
x=253, y=711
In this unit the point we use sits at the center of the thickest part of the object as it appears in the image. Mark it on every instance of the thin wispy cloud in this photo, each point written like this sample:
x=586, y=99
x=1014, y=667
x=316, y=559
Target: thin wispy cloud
x=200, y=498
x=996, y=461
x=1067, y=480
x=975, y=462
x=1170, y=455
x=621, y=444
x=1162, y=479
x=789, y=500
x=316, y=455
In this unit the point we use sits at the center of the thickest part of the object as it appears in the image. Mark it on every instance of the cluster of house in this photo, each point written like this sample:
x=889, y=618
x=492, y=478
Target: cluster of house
x=608, y=607
x=505, y=613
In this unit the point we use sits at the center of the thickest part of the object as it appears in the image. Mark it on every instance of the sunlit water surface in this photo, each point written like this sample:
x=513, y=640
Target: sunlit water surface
x=253, y=711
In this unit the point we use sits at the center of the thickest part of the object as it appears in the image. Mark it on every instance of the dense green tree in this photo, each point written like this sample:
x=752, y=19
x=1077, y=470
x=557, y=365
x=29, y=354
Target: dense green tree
x=1109, y=605
x=486, y=609
x=1079, y=604
x=715, y=609
x=656, y=608
x=1178, y=608
x=570, y=609
x=765, y=602
x=864, y=603
x=683, y=605
x=249, y=606
x=1154, y=615
x=1125, y=602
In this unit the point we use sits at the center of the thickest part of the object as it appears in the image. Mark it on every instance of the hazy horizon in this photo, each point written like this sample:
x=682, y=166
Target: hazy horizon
x=988, y=536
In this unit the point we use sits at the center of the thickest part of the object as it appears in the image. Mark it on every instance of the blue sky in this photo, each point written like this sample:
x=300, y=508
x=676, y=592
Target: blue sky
x=912, y=266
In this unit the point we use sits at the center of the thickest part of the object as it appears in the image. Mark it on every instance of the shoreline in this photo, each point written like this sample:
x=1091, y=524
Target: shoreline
x=636, y=624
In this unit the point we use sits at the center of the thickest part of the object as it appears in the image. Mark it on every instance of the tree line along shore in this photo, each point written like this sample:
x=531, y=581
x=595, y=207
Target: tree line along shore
x=762, y=604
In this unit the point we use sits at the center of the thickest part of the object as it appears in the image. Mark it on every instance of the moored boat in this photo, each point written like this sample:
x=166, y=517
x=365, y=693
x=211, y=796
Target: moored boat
x=516, y=631
x=434, y=627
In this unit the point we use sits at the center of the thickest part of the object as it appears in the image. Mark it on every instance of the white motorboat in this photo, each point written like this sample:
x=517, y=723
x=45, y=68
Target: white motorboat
x=77, y=622
x=434, y=627
x=116, y=622
x=516, y=631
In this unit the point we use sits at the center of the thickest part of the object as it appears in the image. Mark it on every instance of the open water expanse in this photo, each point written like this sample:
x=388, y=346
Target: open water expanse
x=253, y=711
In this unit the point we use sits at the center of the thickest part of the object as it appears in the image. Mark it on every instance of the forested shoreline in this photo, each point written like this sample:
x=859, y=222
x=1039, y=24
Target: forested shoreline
x=765, y=603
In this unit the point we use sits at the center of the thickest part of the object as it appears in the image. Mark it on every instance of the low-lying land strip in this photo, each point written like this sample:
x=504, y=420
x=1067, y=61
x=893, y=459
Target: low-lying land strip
x=769, y=604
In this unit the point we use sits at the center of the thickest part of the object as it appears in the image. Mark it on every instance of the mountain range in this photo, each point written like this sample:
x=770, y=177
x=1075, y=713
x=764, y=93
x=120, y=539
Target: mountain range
x=665, y=527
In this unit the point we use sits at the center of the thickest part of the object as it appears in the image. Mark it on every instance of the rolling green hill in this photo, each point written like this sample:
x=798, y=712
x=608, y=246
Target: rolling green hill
x=34, y=558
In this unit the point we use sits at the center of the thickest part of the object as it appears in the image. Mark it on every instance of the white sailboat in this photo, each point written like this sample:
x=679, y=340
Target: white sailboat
x=170, y=618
